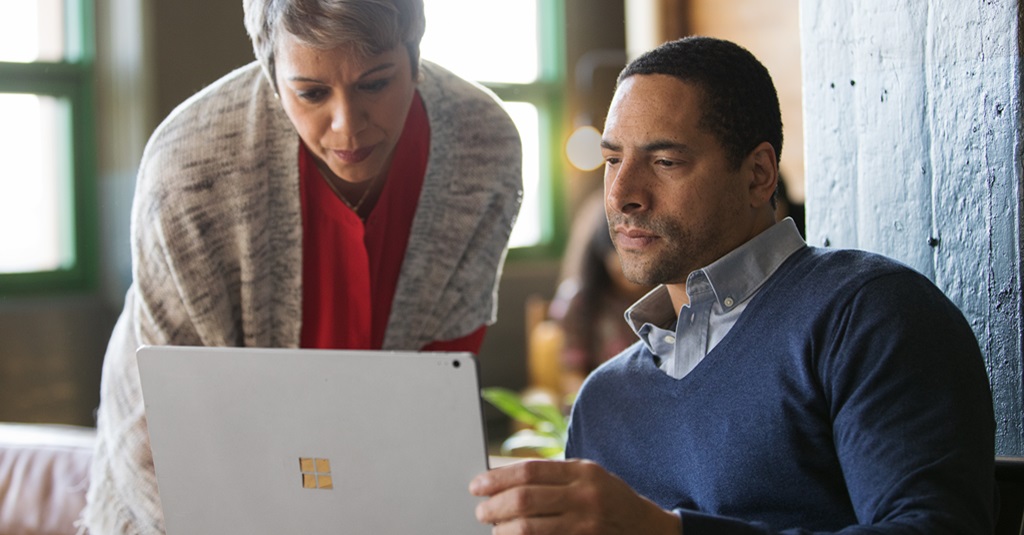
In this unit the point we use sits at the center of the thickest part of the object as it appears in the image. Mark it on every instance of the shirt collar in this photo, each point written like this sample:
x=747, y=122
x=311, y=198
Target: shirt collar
x=733, y=277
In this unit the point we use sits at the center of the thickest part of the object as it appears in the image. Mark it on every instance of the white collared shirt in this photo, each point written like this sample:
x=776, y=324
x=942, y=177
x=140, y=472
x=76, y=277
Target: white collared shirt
x=719, y=293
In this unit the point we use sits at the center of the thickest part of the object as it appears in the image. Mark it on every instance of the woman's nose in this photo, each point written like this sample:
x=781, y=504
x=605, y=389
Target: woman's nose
x=348, y=117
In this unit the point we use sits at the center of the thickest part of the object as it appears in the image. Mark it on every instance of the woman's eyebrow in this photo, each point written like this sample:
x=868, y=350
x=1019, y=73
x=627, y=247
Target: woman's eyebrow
x=307, y=79
x=374, y=70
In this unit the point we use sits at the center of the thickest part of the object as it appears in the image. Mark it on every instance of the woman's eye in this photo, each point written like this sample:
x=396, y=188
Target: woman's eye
x=312, y=95
x=375, y=85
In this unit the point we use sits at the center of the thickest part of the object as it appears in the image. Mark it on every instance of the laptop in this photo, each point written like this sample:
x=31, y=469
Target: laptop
x=271, y=441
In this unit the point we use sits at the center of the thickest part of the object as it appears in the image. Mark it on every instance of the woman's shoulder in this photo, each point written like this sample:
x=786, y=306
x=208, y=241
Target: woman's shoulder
x=237, y=108
x=441, y=86
x=471, y=134
x=458, y=106
x=226, y=141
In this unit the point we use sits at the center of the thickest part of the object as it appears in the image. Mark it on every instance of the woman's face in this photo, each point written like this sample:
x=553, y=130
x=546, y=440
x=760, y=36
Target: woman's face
x=349, y=110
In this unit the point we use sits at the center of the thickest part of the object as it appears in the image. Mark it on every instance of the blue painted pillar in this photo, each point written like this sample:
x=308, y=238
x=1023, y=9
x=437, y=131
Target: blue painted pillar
x=913, y=143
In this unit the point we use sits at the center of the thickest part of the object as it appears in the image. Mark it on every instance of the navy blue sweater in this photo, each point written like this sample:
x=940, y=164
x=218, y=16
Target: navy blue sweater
x=850, y=397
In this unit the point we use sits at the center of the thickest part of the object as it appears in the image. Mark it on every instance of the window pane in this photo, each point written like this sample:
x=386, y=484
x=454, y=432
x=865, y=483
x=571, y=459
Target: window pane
x=31, y=30
x=34, y=217
x=483, y=41
x=527, y=231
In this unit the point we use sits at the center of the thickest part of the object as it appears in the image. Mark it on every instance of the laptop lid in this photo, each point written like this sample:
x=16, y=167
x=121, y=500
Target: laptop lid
x=314, y=441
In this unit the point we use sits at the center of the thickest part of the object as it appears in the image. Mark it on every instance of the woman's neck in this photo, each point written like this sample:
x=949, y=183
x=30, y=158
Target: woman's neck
x=358, y=196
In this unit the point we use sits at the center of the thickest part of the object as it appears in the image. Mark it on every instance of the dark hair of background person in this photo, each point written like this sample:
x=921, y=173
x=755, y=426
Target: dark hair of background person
x=595, y=283
x=590, y=304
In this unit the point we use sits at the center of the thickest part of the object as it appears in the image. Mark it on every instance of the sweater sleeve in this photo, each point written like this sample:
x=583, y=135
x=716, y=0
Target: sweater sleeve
x=913, y=422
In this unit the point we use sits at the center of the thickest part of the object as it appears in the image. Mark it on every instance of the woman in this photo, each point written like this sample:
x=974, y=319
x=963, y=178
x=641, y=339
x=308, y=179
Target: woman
x=337, y=193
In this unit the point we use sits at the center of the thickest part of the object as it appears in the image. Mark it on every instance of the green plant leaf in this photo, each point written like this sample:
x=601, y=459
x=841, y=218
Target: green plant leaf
x=527, y=440
x=509, y=403
x=550, y=414
x=548, y=427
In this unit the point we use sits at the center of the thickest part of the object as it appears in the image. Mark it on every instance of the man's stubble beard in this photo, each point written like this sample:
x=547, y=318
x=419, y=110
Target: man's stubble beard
x=667, y=265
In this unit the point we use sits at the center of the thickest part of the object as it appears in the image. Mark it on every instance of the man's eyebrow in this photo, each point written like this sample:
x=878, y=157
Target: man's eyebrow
x=661, y=145
x=654, y=146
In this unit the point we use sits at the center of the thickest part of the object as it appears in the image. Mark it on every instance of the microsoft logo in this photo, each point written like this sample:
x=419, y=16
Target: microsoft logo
x=316, y=473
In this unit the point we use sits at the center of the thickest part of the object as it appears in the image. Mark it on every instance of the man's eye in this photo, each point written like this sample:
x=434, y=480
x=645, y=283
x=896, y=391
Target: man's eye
x=612, y=160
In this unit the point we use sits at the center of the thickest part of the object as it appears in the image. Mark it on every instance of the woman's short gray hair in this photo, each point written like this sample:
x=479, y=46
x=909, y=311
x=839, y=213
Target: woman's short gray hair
x=373, y=26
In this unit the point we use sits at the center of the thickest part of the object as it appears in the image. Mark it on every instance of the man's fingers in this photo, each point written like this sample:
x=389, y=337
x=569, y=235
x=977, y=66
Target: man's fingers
x=539, y=526
x=522, y=501
x=523, y=473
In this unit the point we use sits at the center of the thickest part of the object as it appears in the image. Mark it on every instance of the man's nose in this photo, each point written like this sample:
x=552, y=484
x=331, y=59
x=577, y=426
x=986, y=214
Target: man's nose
x=624, y=190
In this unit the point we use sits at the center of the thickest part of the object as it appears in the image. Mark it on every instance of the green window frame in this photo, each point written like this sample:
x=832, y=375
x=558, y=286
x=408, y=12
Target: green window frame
x=71, y=82
x=547, y=94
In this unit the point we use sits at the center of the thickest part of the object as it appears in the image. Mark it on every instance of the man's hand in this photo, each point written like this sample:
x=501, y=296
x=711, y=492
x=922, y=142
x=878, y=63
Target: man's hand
x=565, y=497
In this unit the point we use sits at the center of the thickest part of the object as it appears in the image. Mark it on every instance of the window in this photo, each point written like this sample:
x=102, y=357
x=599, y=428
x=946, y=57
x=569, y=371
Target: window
x=47, y=204
x=517, y=52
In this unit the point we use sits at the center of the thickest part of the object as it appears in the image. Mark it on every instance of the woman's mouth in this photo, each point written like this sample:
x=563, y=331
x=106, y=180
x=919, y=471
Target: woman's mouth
x=353, y=156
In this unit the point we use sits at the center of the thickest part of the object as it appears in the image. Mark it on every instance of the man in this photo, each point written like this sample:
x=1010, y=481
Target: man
x=776, y=387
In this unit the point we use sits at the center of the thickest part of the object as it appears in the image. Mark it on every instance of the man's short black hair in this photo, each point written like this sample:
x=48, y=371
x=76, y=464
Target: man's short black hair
x=741, y=107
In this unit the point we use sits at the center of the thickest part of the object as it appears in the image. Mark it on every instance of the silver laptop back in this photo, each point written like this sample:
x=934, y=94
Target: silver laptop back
x=272, y=441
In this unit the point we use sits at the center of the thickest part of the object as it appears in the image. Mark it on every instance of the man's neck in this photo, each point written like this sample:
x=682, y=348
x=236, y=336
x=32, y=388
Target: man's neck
x=677, y=292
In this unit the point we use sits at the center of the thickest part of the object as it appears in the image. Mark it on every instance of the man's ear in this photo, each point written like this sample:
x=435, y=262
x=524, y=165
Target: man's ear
x=764, y=168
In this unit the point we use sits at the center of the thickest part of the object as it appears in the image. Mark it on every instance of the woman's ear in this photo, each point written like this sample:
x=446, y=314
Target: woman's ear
x=764, y=167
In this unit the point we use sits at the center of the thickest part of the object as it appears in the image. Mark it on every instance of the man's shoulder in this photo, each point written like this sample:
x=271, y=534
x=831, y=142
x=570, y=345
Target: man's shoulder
x=852, y=260
x=832, y=283
x=840, y=270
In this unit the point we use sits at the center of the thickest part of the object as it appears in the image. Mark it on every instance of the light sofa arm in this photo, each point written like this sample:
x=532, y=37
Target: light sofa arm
x=44, y=475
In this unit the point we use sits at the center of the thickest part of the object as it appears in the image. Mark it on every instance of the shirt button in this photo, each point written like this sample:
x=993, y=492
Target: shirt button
x=670, y=339
x=728, y=302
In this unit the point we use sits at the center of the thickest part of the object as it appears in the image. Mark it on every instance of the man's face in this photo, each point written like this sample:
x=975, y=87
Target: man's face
x=674, y=202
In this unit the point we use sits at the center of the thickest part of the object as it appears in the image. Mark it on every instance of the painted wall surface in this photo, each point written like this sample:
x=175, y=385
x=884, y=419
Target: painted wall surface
x=912, y=113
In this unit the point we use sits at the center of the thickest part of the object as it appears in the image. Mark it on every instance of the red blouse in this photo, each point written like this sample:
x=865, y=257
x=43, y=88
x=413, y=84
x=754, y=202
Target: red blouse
x=350, y=268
